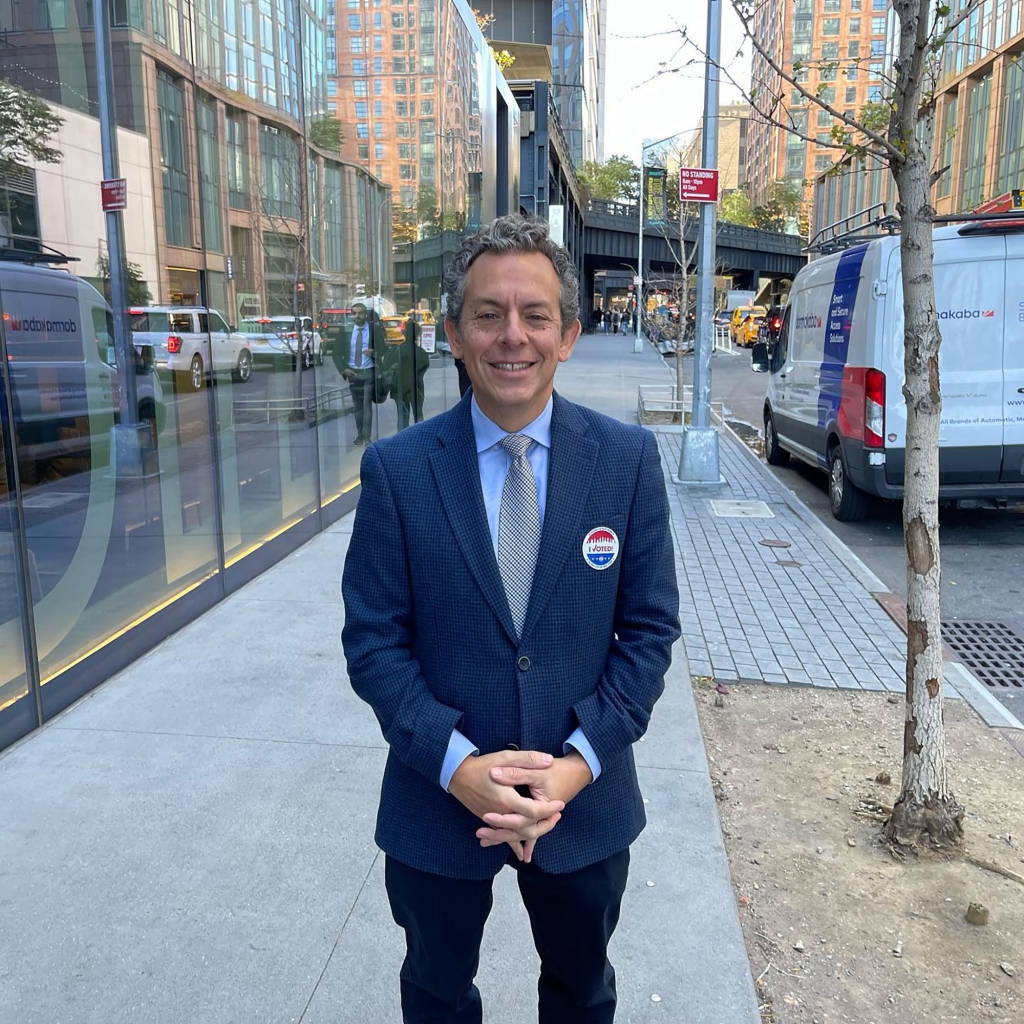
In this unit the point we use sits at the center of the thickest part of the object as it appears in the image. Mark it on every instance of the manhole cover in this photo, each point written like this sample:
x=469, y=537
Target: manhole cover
x=991, y=650
x=728, y=508
x=770, y=542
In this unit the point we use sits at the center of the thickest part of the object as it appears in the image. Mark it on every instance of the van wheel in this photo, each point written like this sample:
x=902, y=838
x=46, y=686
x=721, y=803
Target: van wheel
x=244, y=369
x=773, y=454
x=195, y=372
x=320, y=357
x=848, y=504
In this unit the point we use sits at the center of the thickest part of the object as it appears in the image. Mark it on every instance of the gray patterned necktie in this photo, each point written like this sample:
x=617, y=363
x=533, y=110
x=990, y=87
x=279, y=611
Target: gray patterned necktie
x=518, y=528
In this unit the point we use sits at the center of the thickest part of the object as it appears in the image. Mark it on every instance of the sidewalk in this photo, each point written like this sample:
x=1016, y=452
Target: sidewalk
x=193, y=841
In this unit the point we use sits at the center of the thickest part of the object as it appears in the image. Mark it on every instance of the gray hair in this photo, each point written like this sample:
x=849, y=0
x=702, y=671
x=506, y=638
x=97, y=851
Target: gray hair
x=513, y=233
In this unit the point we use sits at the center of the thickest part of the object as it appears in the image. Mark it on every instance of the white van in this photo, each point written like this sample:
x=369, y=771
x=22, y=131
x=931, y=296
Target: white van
x=60, y=356
x=835, y=391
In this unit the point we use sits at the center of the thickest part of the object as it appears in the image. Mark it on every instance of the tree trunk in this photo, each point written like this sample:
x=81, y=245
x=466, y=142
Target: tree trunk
x=926, y=812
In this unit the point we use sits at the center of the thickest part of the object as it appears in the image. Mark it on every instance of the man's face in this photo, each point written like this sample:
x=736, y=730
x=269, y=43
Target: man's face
x=359, y=313
x=510, y=335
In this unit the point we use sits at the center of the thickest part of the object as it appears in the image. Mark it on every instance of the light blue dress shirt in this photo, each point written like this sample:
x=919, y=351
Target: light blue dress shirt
x=493, y=462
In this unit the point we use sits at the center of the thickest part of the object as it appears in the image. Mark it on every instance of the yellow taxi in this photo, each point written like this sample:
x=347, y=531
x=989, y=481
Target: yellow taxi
x=422, y=316
x=744, y=323
x=394, y=329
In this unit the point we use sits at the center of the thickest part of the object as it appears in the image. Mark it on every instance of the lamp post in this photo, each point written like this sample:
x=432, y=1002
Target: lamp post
x=699, y=459
x=638, y=341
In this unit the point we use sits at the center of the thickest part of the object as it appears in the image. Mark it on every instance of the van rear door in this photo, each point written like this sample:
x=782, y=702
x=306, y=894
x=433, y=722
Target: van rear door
x=969, y=275
x=1013, y=362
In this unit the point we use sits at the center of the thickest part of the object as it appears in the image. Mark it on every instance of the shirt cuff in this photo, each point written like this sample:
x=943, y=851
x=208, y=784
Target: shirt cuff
x=582, y=746
x=459, y=748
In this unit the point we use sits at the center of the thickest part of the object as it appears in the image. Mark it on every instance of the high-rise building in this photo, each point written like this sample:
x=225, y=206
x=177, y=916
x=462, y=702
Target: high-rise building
x=571, y=31
x=976, y=134
x=838, y=48
x=733, y=128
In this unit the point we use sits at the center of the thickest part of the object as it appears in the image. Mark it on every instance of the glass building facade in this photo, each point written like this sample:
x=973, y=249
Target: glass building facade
x=257, y=214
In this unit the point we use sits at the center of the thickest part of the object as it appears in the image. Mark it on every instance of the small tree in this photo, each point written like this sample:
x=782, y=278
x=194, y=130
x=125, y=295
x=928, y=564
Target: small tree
x=926, y=811
x=502, y=58
x=735, y=207
x=615, y=180
x=327, y=133
x=138, y=291
x=26, y=125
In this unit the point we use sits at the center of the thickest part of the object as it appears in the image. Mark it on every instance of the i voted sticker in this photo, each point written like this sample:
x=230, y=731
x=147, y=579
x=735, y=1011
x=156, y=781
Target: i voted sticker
x=600, y=547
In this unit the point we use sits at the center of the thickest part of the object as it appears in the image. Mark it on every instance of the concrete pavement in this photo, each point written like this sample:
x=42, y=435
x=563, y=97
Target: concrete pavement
x=193, y=841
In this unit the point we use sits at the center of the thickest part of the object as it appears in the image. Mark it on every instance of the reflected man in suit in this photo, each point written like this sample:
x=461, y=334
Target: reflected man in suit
x=510, y=607
x=356, y=360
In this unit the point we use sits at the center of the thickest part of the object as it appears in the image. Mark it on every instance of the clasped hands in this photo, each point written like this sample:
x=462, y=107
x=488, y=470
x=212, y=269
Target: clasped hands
x=486, y=786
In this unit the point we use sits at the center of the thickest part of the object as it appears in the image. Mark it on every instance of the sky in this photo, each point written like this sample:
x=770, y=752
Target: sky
x=643, y=98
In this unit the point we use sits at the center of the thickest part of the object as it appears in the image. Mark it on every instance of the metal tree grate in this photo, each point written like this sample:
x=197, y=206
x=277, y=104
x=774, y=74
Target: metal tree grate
x=991, y=650
x=733, y=509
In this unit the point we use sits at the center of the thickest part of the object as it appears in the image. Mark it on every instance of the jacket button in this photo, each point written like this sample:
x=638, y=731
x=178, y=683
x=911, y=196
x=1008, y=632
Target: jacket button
x=524, y=663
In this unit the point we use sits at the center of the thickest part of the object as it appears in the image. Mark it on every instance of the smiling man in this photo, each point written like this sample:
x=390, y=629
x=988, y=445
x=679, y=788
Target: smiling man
x=510, y=608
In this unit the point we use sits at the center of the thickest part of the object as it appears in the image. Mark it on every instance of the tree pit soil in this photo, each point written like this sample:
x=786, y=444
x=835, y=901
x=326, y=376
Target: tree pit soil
x=837, y=929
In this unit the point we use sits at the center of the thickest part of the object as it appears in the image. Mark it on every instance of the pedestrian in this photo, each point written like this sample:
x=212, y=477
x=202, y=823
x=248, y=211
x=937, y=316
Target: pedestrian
x=510, y=607
x=606, y=320
x=598, y=317
x=615, y=321
x=625, y=321
x=356, y=359
x=408, y=365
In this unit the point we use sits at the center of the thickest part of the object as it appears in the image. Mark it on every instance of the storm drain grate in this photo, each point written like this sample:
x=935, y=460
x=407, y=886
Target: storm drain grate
x=991, y=650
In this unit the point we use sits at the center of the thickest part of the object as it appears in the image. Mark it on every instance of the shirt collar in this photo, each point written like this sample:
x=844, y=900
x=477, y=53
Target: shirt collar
x=488, y=433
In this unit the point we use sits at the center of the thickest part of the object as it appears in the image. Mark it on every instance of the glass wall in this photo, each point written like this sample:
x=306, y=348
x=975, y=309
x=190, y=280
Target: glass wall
x=182, y=401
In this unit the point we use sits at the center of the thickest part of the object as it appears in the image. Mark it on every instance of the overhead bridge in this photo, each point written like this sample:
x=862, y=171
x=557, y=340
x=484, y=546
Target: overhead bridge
x=610, y=243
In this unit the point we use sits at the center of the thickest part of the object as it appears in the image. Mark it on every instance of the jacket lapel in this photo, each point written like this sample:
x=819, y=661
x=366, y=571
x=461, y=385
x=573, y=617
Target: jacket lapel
x=457, y=475
x=570, y=470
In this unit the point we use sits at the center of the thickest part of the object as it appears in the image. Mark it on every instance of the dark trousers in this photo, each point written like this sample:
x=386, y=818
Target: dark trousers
x=362, y=385
x=572, y=917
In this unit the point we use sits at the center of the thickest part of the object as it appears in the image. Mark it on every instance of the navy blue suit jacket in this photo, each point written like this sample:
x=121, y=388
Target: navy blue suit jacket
x=431, y=647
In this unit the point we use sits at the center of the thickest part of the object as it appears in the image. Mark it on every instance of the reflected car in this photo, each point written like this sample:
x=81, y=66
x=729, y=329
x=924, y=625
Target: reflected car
x=190, y=342
x=394, y=329
x=267, y=345
x=312, y=342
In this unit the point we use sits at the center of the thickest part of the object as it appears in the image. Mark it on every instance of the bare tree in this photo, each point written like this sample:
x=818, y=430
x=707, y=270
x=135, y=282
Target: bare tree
x=897, y=131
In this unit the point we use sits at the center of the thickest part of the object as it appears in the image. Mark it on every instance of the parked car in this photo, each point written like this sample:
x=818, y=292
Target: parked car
x=722, y=318
x=835, y=385
x=394, y=329
x=739, y=329
x=312, y=342
x=192, y=341
x=266, y=343
x=331, y=323
x=751, y=331
x=63, y=367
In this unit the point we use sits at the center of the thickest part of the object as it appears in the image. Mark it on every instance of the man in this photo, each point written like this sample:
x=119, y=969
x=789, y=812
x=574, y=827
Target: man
x=356, y=358
x=408, y=366
x=510, y=606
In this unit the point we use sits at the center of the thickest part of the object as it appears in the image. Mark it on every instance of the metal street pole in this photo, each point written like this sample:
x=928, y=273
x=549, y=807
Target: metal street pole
x=699, y=459
x=127, y=439
x=638, y=341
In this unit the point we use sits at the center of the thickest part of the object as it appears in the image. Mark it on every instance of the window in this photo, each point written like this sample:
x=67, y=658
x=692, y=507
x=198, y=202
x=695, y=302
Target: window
x=827, y=73
x=796, y=99
x=355, y=24
x=831, y=7
x=355, y=45
x=876, y=69
x=830, y=26
x=879, y=5
x=402, y=130
x=378, y=65
x=378, y=108
x=829, y=51
x=828, y=94
x=378, y=131
x=855, y=6
x=399, y=86
x=854, y=29
x=427, y=85
x=874, y=94
x=398, y=21
x=358, y=66
x=170, y=103
x=1011, y=142
x=378, y=44
x=945, y=183
x=332, y=87
x=878, y=26
x=824, y=121
x=851, y=97
x=378, y=86
x=427, y=110
x=851, y=73
x=279, y=163
x=402, y=110
x=364, y=154
x=363, y=131
x=977, y=138
x=877, y=47
x=378, y=20
x=378, y=150
x=802, y=50
x=398, y=43
x=362, y=110
x=398, y=65
x=238, y=162
x=405, y=172
x=853, y=50
x=821, y=163
x=407, y=151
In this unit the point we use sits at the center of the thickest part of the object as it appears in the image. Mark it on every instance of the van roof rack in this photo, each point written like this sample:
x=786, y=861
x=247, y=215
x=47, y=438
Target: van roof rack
x=40, y=254
x=862, y=226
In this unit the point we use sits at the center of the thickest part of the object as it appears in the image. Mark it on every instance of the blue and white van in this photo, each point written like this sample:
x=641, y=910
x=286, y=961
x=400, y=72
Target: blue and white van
x=835, y=390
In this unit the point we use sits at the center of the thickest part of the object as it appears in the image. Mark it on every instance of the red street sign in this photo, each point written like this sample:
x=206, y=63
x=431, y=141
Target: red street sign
x=698, y=185
x=115, y=194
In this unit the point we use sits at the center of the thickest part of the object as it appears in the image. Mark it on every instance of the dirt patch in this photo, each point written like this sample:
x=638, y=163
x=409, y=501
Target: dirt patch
x=850, y=934
x=749, y=435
